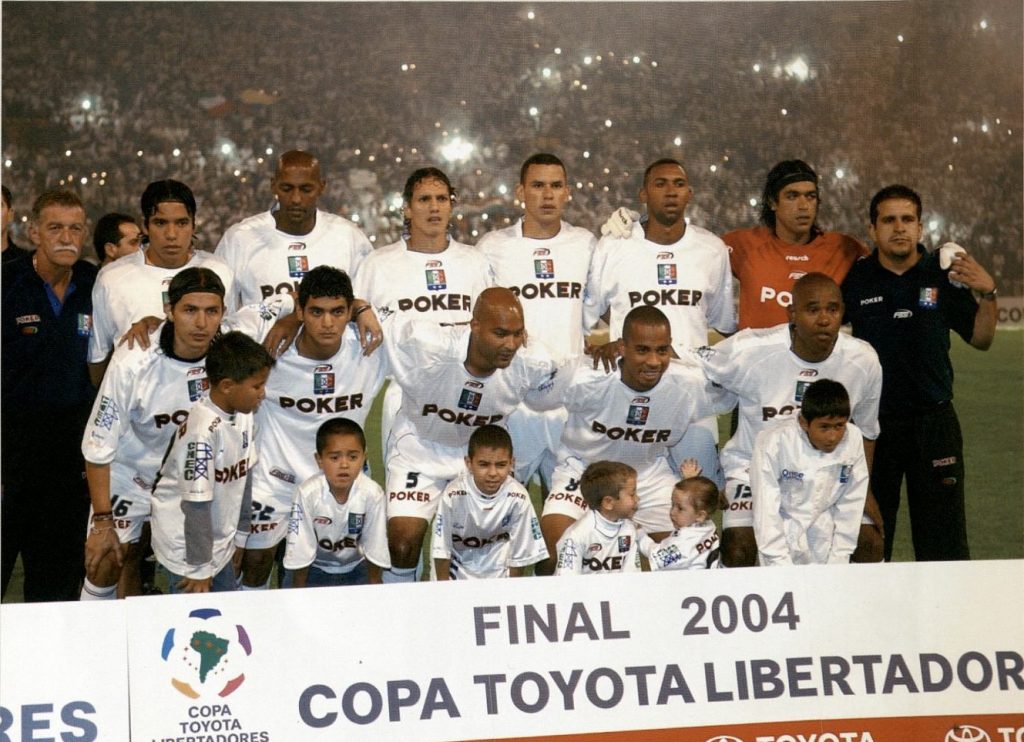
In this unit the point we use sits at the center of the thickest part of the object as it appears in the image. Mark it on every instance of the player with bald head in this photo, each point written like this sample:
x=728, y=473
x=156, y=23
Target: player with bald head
x=634, y=416
x=768, y=370
x=272, y=251
x=454, y=379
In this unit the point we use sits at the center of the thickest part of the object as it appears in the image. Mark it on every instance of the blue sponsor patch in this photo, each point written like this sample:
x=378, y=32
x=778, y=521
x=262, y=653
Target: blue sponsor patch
x=298, y=266
x=667, y=274
x=470, y=400
x=544, y=268
x=801, y=387
x=197, y=388
x=637, y=414
x=929, y=297
x=624, y=543
x=355, y=523
x=323, y=382
x=84, y=325
x=844, y=473
x=435, y=279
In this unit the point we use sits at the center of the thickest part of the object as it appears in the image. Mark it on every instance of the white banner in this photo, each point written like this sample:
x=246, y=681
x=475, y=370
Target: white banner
x=63, y=672
x=553, y=656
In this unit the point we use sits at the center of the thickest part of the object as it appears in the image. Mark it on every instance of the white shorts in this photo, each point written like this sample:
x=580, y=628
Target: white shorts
x=413, y=493
x=388, y=409
x=270, y=514
x=740, y=511
x=131, y=506
x=535, y=436
x=701, y=442
x=654, y=489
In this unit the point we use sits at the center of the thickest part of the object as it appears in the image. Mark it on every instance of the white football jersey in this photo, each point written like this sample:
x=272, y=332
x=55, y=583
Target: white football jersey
x=208, y=461
x=146, y=393
x=302, y=393
x=442, y=403
x=769, y=379
x=692, y=547
x=267, y=261
x=549, y=277
x=690, y=282
x=442, y=286
x=610, y=421
x=594, y=545
x=336, y=537
x=807, y=503
x=130, y=289
x=484, y=535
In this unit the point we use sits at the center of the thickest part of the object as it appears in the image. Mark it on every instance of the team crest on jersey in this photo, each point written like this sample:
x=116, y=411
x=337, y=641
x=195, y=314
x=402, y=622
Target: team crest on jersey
x=197, y=461
x=297, y=246
x=436, y=279
x=667, y=274
x=197, y=387
x=323, y=380
x=844, y=473
x=544, y=268
x=165, y=296
x=637, y=414
x=470, y=400
x=624, y=543
x=801, y=387
x=84, y=325
x=355, y=523
x=298, y=266
x=929, y=298
x=106, y=415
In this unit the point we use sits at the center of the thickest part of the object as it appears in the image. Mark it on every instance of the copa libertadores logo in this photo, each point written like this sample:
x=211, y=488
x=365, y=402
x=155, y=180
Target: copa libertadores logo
x=207, y=655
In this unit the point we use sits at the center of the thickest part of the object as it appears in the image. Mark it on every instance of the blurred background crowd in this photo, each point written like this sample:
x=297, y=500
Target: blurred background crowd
x=105, y=97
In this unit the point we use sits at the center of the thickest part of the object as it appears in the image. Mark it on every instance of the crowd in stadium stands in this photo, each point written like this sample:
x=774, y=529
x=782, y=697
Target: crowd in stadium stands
x=361, y=86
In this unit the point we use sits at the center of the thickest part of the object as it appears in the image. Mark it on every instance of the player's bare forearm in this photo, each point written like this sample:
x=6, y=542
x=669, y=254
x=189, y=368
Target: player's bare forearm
x=370, y=333
x=96, y=371
x=138, y=333
x=441, y=569
x=282, y=334
x=985, y=324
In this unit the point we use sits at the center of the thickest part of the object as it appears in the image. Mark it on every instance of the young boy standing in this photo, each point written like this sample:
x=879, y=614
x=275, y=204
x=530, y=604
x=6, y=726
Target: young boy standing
x=201, y=496
x=810, y=479
x=337, y=534
x=694, y=542
x=604, y=539
x=485, y=524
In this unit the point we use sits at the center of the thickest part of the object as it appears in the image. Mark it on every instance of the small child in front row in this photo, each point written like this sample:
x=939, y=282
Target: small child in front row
x=808, y=481
x=694, y=542
x=604, y=539
x=337, y=534
x=201, y=499
x=485, y=524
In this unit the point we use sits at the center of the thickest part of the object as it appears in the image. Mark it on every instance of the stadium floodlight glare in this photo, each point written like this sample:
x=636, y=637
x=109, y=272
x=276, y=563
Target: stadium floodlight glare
x=534, y=110
x=840, y=173
x=457, y=150
x=546, y=72
x=798, y=68
x=86, y=104
x=983, y=24
x=225, y=147
x=753, y=202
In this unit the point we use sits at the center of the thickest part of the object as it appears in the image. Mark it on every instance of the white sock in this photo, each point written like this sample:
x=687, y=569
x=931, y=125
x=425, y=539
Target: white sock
x=92, y=592
x=398, y=574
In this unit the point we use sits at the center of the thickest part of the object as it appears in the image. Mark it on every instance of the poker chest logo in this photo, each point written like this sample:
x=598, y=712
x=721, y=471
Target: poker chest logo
x=206, y=656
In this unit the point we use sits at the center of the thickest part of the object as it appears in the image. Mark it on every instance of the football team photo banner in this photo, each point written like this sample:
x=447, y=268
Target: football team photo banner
x=736, y=653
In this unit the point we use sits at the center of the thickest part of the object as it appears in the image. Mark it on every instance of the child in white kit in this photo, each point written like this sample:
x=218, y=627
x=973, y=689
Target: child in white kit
x=694, y=542
x=809, y=480
x=603, y=540
x=485, y=524
x=337, y=533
